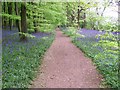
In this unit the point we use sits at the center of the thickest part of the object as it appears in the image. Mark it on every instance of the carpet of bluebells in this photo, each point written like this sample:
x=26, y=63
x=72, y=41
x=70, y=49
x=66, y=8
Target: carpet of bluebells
x=20, y=60
x=105, y=60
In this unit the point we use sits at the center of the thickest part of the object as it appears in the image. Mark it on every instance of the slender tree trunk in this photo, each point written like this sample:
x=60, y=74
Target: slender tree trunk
x=23, y=22
x=78, y=21
x=4, y=18
x=10, y=12
x=67, y=14
x=17, y=13
x=84, y=23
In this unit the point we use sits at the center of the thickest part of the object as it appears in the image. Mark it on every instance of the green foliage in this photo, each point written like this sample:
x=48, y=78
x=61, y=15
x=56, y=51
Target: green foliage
x=110, y=26
x=109, y=65
x=105, y=56
x=45, y=16
x=13, y=17
x=27, y=35
x=108, y=41
x=72, y=32
x=21, y=61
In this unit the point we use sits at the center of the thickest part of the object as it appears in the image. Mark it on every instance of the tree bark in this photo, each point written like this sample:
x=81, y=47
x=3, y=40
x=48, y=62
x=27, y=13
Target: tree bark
x=23, y=22
x=10, y=12
x=84, y=23
x=4, y=18
x=78, y=21
x=17, y=13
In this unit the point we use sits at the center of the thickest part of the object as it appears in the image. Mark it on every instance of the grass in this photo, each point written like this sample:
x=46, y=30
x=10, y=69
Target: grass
x=21, y=60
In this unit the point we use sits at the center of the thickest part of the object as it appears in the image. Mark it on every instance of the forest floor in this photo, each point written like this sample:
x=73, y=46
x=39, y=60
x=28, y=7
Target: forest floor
x=65, y=66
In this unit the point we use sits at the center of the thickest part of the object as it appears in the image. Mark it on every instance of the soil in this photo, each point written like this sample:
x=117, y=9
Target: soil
x=65, y=66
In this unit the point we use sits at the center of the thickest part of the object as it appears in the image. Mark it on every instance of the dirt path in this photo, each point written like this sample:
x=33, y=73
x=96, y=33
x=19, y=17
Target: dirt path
x=65, y=66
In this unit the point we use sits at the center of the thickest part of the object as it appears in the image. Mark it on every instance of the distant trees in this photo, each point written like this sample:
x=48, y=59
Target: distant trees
x=76, y=13
x=32, y=16
x=44, y=16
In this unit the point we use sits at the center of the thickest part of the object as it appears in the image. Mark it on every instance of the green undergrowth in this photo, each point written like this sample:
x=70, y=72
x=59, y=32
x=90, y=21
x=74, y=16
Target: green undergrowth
x=72, y=32
x=104, y=54
x=21, y=60
x=107, y=63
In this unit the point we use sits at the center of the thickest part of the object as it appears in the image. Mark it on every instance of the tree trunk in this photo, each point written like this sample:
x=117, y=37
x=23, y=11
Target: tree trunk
x=84, y=23
x=4, y=18
x=78, y=21
x=67, y=14
x=10, y=12
x=17, y=13
x=23, y=22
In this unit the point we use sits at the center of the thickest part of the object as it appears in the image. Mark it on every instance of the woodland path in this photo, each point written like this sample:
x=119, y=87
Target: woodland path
x=65, y=66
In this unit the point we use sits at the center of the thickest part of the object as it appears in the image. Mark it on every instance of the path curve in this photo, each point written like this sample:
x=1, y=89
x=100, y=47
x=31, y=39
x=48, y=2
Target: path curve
x=65, y=66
